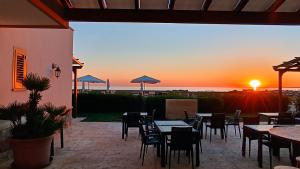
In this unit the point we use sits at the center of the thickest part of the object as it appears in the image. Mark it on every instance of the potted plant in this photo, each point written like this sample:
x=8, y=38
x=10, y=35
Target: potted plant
x=33, y=125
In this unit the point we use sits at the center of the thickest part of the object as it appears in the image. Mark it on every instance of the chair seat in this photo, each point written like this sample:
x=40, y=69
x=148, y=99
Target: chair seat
x=152, y=140
x=284, y=167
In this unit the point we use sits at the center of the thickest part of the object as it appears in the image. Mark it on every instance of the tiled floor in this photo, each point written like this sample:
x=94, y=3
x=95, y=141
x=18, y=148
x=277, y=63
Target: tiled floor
x=99, y=146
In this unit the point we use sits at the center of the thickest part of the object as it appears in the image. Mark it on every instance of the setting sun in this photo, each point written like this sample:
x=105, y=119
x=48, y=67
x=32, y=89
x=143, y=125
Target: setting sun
x=254, y=84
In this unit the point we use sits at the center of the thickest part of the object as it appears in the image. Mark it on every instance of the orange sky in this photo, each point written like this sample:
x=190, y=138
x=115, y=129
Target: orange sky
x=187, y=55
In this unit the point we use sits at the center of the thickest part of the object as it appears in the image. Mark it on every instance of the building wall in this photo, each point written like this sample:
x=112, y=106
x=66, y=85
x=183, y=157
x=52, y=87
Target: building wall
x=43, y=47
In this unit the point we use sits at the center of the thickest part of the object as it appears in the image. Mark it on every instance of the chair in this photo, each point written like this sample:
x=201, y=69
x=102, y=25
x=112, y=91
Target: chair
x=217, y=122
x=199, y=128
x=234, y=121
x=132, y=120
x=188, y=120
x=181, y=139
x=251, y=121
x=285, y=118
x=147, y=139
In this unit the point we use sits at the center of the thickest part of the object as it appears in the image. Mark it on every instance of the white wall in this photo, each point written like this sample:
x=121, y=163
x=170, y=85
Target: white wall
x=43, y=47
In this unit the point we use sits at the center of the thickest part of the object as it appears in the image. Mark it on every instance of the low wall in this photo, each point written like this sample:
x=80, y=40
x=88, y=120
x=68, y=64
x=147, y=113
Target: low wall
x=175, y=108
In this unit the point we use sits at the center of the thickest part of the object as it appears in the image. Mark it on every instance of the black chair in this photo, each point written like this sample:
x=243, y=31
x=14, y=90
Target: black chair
x=199, y=128
x=147, y=139
x=217, y=122
x=285, y=119
x=251, y=121
x=181, y=139
x=234, y=121
x=132, y=120
x=188, y=119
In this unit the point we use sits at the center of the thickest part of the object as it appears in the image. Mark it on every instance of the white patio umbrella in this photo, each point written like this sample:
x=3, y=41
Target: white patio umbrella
x=143, y=80
x=89, y=79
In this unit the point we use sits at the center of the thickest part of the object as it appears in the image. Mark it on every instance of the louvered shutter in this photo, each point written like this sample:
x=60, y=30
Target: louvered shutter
x=19, y=68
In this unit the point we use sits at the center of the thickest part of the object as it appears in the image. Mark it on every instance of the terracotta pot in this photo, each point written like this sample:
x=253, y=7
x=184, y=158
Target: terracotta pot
x=31, y=153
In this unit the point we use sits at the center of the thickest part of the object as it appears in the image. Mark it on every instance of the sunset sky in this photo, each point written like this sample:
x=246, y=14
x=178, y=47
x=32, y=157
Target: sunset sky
x=185, y=54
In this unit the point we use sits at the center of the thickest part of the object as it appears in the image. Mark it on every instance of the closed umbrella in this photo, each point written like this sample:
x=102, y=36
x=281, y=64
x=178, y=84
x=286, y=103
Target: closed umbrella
x=107, y=86
x=143, y=80
x=89, y=79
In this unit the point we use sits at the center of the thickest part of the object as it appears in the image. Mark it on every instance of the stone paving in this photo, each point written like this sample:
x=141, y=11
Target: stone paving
x=99, y=146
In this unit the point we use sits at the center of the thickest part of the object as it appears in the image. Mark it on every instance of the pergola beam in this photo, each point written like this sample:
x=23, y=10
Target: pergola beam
x=53, y=9
x=171, y=4
x=137, y=4
x=206, y=4
x=100, y=3
x=178, y=16
x=240, y=5
x=275, y=5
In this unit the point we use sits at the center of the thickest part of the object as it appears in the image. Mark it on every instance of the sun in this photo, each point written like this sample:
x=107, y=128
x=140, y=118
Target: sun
x=254, y=84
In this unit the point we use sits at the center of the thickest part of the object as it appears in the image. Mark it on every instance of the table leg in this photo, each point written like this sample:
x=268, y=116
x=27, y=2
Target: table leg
x=295, y=153
x=197, y=151
x=163, y=153
x=123, y=127
x=259, y=153
x=244, y=143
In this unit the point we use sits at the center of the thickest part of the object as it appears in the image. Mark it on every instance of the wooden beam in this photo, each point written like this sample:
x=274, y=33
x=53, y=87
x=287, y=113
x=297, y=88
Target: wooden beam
x=275, y=6
x=100, y=3
x=206, y=4
x=66, y=3
x=240, y=5
x=171, y=4
x=137, y=4
x=180, y=16
x=52, y=9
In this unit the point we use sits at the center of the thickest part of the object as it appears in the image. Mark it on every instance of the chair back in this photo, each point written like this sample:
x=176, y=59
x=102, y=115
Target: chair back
x=285, y=118
x=217, y=120
x=133, y=119
x=251, y=120
x=237, y=115
x=181, y=138
x=195, y=124
x=153, y=115
x=143, y=133
x=186, y=115
x=200, y=126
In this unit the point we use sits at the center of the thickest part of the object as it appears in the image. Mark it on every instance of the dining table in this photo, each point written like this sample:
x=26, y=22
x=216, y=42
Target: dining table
x=124, y=115
x=269, y=115
x=164, y=129
x=291, y=134
x=259, y=131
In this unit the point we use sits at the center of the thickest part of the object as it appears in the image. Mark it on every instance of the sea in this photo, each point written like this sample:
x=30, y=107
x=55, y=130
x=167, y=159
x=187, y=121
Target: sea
x=191, y=89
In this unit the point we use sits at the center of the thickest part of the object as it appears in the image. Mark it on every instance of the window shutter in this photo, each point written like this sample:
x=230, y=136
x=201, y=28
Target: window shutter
x=19, y=68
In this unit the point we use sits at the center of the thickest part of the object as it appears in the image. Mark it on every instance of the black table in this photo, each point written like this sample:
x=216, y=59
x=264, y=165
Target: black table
x=291, y=134
x=269, y=116
x=142, y=114
x=165, y=130
x=259, y=131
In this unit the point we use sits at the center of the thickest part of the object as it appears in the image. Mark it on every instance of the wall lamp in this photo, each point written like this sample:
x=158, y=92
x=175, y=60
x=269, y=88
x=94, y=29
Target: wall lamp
x=56, y=69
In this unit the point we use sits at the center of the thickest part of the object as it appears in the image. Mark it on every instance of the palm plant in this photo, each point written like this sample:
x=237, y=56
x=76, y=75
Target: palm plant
x=38, y=121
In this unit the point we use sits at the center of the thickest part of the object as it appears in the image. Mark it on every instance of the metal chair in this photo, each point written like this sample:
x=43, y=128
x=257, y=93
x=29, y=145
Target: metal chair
x=181, y=139
x=217, y=122
x=251, y=121
x=234, y=121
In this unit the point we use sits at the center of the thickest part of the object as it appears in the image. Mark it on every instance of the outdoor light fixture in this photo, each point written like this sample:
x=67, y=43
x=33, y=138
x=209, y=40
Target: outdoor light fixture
x=56, y=69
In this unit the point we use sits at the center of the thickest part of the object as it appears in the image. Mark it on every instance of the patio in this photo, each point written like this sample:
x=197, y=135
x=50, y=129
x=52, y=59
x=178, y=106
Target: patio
x=99, y=145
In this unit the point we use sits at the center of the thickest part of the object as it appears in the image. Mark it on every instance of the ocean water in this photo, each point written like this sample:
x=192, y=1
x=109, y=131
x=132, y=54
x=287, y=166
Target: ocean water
x=159, y=88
